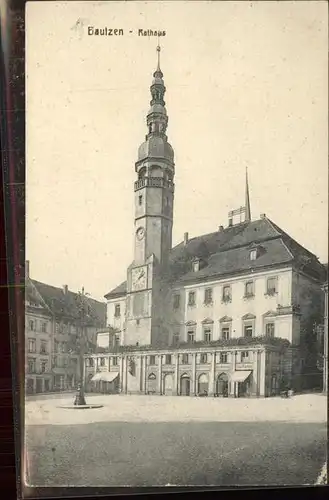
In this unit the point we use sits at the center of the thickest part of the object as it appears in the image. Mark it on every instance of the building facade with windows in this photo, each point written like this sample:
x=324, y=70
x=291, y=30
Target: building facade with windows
x=53, y=334
x=325, y=335
x=222, y=313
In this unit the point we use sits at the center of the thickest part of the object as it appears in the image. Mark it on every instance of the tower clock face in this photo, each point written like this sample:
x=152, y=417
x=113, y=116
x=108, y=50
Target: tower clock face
x=139, y=278
x=140, y=233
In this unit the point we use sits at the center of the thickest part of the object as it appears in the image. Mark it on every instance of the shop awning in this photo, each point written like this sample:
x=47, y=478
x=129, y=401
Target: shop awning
x=240, y=376
x=105, y=376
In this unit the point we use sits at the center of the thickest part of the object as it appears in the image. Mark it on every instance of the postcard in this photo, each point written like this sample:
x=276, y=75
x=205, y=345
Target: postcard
x=176, y=279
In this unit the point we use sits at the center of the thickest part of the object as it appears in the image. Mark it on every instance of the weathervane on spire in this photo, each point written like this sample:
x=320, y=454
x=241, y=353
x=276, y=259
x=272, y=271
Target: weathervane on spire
x=158, y=51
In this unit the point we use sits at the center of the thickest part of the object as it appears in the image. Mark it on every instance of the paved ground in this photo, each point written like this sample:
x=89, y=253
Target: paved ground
x=197, y=445
x=304, y=408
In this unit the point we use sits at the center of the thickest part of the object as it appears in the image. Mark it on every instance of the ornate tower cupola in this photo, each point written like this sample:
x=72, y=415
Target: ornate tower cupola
x=157, y=119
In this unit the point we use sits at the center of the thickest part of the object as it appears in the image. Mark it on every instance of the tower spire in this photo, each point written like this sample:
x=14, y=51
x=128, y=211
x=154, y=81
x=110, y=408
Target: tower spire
x=158, y=52
x=247, y=200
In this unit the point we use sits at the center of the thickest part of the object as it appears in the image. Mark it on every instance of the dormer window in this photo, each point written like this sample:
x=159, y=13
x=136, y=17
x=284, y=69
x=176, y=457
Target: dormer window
x=253, y=254
x=196, y=265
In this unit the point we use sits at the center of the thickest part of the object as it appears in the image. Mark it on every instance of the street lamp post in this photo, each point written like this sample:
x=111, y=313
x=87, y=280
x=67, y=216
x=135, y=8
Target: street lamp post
x=80, y=395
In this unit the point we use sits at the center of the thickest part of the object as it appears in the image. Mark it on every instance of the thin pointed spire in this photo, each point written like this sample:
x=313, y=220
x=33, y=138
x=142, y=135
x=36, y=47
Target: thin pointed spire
x=158, y=51
x=247, y=201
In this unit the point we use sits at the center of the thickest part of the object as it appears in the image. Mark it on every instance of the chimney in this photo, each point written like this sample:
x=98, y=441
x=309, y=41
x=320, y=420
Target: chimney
x=263, y=216
x=65, y=289
x=185, y=239
x=221, y=229
x=27, y=269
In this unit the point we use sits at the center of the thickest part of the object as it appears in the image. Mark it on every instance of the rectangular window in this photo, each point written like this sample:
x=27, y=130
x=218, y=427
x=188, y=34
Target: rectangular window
x=244, y=356
x=190, y=336
x=185, y=359
x=248, y=330
x=57, y=327
x=31, y=345
x=55, y=362
x=168, y=359
x=91, y=362
x=208, y=296
x=31, y=325
x=226, y=293
x=117, y=310
x=56, y=346
x=253, y=255
x=31, y=365
x=116, y=340
x=249, y=289
x=176, y=338
x=102, y=361
x=271, y=286
x=152, y=360
x=223, y=357
x=207, y=334
x=44, y=366
x=225, y=333
x=138, y=303
x=140, y=199
x=191, y=298
x=196, y=266
x=176, y=301
x=269, y=329
x=203, y=358
x=65, y=362
x=115, y=361
x=43, y=347
x=44, y=327
x=61, y=328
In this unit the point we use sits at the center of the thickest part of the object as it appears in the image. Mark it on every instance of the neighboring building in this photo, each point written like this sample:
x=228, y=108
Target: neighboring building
x=325, y=336
x=53, y=328
x=227, y=312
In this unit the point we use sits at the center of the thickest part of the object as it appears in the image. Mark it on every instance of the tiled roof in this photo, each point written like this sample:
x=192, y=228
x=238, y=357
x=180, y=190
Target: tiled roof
x=237, y=260
x=118, y=291
x=226, y=252
x=64, y=305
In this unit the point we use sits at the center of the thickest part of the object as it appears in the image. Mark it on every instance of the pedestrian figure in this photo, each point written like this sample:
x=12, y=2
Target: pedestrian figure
x=77, y=396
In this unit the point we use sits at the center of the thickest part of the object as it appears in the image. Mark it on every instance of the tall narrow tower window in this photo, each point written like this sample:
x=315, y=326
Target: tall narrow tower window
x=140, y=199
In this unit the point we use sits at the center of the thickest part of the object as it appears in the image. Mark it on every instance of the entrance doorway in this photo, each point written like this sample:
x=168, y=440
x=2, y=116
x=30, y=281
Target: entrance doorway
x=203, y=384
x=46, y=385
x=29, y=386
x=244, y=388
x=274, y=385
x=222, y=385
x=168, y=384
x=39, y=385
x=151, y=384
x=185, y=385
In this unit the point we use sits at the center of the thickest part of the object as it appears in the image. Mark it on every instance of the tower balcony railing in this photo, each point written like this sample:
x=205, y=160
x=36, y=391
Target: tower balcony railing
x=158, y=182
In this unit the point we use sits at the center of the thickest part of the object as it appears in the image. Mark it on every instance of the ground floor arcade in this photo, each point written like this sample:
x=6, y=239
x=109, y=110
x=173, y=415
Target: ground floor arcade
x=249, y=372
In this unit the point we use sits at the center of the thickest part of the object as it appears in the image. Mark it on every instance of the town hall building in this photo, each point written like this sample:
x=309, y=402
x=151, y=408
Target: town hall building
x=222, y=314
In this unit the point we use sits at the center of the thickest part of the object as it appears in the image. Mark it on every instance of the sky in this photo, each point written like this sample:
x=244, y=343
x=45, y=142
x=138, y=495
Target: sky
x=247, y=86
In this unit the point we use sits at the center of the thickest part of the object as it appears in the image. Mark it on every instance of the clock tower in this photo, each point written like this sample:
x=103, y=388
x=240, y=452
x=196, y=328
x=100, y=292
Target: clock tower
x=154, y=199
